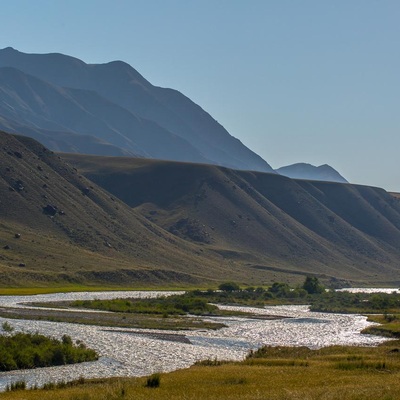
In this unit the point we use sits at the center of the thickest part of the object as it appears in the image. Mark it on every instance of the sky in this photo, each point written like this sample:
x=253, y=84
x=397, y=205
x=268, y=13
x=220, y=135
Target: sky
x=313, y=81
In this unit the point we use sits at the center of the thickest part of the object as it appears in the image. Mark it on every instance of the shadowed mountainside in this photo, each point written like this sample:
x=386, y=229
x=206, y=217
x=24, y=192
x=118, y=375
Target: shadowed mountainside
x=73, y=232
x=308, y=171
x=144, y=222
x=114, y=103
x=269, y=222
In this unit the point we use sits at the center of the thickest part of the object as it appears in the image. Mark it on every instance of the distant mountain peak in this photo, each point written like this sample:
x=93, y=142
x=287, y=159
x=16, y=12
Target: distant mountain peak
x=307, y=171
x=9, y=49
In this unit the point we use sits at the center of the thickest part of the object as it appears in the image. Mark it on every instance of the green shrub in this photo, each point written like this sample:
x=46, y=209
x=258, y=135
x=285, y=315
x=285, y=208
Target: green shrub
x=24, y=351
x=228, y=287
x=7, y=327
x=361, y=364
x=153, y=381
x=168, y=305
x=18, y=385
x=209, y=362
x=280, y=289
x=312, y=286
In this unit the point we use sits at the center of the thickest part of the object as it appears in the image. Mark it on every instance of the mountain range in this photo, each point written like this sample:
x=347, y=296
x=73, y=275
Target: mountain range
x=260, y=220
x=70, y=219
x=110, y=109
x=54, y=98
x=117, y=182
x=58, y=228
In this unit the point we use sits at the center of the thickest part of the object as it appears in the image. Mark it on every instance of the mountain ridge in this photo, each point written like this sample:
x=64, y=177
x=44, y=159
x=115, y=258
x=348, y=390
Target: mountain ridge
x=327, y=228
x=47, y=107
x=72, y=231
x=122, y=85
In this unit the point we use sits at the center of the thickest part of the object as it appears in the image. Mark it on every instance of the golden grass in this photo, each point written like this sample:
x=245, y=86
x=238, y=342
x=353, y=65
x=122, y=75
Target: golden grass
x=318, y=375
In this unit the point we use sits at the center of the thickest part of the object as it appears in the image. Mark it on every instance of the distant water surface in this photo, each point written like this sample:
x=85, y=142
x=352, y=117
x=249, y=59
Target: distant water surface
x=369, y=290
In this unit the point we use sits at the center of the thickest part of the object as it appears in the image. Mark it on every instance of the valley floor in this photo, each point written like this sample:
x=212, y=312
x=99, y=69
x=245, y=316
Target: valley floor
x=333, y=372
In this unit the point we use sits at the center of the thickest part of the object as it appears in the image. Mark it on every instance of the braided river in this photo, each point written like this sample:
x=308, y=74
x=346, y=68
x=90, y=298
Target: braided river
x=139, y=352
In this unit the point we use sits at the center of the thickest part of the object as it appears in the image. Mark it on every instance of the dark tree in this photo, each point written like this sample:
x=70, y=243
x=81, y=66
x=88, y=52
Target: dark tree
x=280, y=289
x=228, y=287
x=312, y=286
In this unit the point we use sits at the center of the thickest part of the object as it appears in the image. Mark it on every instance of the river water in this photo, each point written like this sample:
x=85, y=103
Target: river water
x=370, y=290
x=128, y=353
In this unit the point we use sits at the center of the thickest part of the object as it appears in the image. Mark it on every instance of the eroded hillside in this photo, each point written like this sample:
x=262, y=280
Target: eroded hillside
x=58, y=227
x=267, y=222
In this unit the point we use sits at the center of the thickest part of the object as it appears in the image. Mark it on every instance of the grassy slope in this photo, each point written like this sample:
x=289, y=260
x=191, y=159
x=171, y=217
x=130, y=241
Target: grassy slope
x=267, y=222
x=98, y=241
x=190, y=225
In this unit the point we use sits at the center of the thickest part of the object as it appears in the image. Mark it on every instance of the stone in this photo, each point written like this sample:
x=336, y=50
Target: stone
x=50, y=210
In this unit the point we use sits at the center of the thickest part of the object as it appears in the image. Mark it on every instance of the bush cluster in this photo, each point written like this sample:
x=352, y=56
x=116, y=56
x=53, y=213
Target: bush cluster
x=25, y=350
x=251, y=296
x=360, y=302
x=153, y=381
x=170, y=305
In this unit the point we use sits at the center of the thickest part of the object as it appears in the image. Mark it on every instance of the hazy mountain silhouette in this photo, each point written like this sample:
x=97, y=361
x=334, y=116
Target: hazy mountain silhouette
x=114, y=103
x=308, y=171
x=41, y=105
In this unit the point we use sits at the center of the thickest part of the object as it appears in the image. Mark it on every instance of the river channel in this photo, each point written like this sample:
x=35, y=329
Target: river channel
x=142, y=352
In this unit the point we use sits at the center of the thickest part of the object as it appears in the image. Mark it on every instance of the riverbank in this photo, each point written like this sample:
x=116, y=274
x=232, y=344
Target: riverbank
x=351, y=373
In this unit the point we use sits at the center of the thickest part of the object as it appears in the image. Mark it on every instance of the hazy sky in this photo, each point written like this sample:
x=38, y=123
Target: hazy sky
x=312, y=81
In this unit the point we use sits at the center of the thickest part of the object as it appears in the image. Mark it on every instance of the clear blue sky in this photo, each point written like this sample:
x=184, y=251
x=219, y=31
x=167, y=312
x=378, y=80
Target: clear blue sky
x=312, y=81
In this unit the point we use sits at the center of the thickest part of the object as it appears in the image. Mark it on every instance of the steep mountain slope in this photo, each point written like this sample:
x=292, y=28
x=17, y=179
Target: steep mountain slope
x=33, y=102
x=120, y=84
x=73, y=232
x=269, y=222
x=65, y=141
x=308, y=171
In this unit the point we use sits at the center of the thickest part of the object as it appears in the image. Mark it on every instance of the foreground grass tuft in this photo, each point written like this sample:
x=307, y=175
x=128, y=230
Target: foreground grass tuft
x=153, y=381
x=14, y=386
